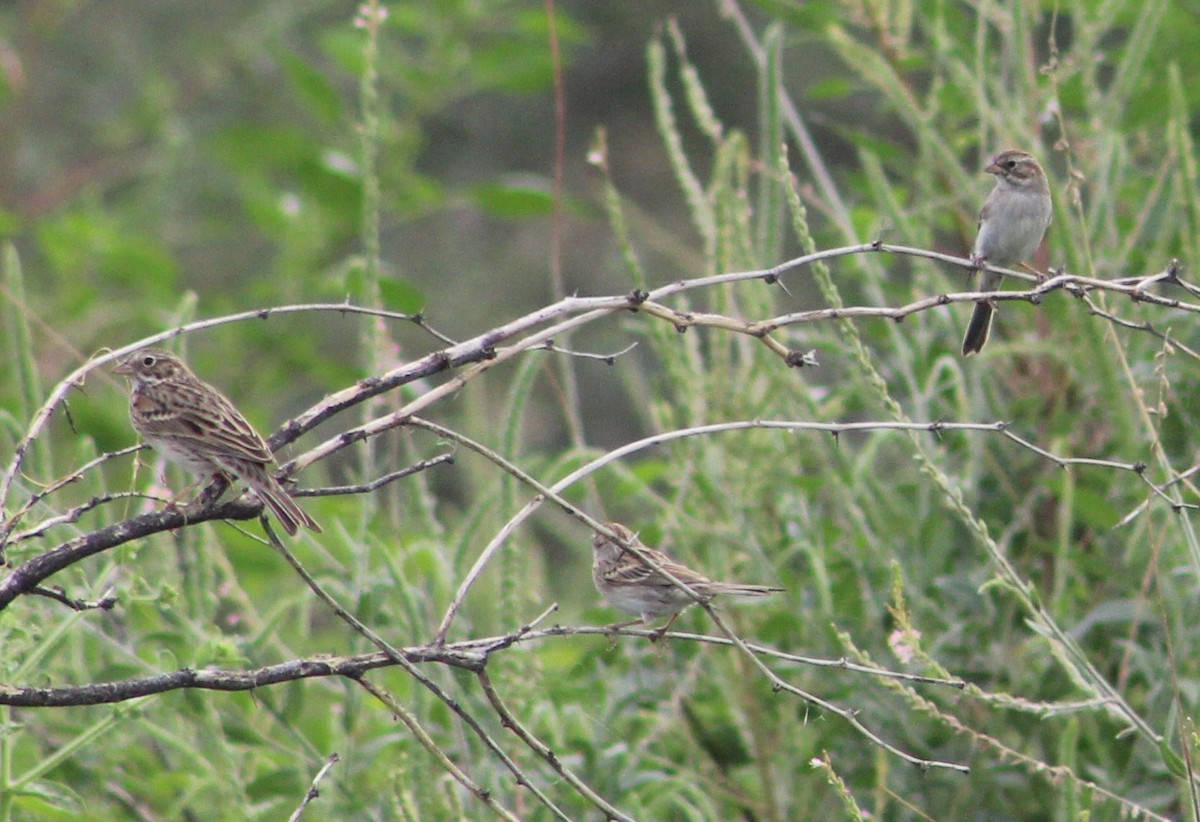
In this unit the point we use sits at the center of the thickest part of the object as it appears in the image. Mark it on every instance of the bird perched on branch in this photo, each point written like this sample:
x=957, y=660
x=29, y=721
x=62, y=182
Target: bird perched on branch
x=193, y=424
x=1013, y=221
x=629, y=584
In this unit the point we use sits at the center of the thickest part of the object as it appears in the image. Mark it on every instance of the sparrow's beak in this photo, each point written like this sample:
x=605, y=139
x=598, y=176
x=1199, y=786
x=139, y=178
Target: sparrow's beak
x=125, y=368
x=994, y=168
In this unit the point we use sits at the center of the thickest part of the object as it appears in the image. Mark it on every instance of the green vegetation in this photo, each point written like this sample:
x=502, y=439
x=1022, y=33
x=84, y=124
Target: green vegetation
x=165, y=165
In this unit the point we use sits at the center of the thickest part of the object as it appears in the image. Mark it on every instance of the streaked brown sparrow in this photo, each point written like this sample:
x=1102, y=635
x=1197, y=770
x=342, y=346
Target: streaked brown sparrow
x=1013, y=221
x=629, y=584
x=193, y=424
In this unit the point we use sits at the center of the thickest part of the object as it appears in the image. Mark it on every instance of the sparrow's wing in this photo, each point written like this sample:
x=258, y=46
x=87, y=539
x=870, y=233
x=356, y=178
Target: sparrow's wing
x=211, y=424
x=632, y=571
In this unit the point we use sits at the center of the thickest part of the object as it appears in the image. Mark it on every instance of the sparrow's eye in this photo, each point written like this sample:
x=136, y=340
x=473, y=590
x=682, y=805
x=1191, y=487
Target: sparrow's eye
x=1010, y=165
x=148, y=361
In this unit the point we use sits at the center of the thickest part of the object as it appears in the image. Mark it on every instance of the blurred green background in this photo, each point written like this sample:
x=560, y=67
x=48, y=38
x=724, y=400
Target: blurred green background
x=163, y=162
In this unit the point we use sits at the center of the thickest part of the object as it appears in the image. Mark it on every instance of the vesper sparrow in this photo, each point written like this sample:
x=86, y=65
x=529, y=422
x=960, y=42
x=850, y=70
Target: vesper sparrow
x=195, y=425
x=633, y=586
x=1013, y=221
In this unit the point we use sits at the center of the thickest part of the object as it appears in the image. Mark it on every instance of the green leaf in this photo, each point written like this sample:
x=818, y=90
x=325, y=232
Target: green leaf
x=401, y=296
x=513, y=202
x=281, y=782
x=313, y=87
x=830, y=88
x=257, y=148
x=1172, y=760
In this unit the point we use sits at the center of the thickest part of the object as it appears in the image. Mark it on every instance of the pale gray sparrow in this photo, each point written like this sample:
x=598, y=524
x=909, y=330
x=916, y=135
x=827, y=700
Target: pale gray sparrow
x=632, y=586
x=1013, y=221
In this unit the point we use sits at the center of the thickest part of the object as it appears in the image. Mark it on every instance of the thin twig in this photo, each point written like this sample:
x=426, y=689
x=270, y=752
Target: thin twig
x=554, y=492
x=410, y=721
x=469, y=655
x=378, y=482
x=398, y=657
x=312, y=792
x=508, y=720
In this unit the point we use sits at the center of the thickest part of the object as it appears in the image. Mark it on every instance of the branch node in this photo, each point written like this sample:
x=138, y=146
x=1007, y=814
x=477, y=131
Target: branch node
x=795, y=359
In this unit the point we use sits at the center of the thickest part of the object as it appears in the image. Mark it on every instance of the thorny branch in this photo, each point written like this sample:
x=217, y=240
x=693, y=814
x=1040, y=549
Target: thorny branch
x=481, y=350
x=469, y=655
x=464, y=361
x=312, y=792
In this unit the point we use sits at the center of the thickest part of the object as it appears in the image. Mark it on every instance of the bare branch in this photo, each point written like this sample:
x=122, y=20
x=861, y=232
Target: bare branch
x=399, y=658
x=554, y=492
x=410, y=721
x=312, y=792
x=543, y=750
x=470, y=655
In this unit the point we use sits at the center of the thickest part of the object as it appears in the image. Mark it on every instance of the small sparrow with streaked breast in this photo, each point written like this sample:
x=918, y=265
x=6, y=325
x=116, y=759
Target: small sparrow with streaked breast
x=629, y=584
x=1013, y=221
x=193, y=424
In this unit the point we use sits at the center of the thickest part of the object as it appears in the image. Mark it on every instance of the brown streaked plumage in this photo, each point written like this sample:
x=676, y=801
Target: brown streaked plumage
x=629, y=584
x=193, y=424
